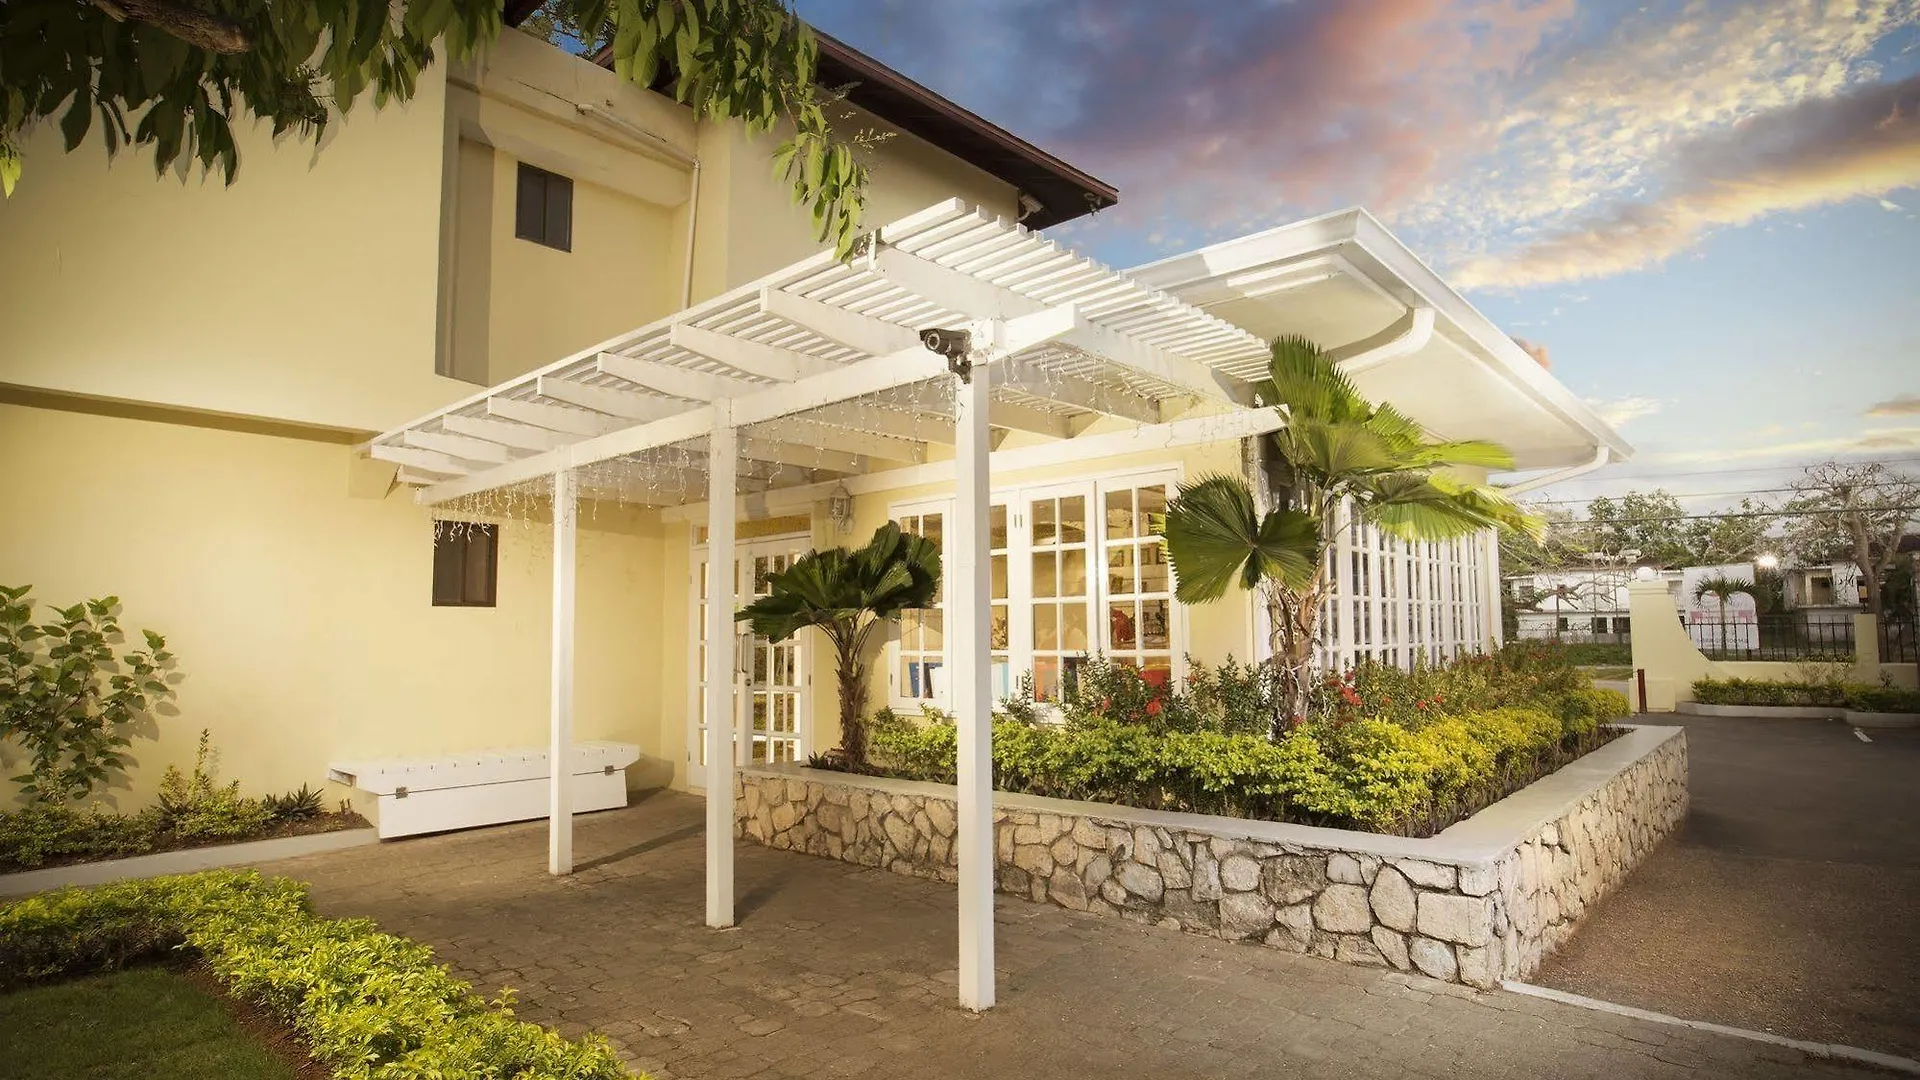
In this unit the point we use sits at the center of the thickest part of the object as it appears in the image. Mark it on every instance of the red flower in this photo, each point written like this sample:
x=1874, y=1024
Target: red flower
x=1153, y=707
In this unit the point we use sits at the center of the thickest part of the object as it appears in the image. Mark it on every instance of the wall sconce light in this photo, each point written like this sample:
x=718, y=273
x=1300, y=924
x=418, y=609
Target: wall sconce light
x=840, y=508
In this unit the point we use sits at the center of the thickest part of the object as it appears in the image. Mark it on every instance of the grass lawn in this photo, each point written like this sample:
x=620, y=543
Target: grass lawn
x=130, y=1025
x=1603, y=671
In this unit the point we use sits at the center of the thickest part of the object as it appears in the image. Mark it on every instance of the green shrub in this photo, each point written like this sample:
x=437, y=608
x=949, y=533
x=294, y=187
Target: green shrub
x=72, y=706
x=1359, y=773
x=302, y=805
x=1883, y=699
x=40, y=833
x=367, y=1005
x=197, y=808
x=1763, y=692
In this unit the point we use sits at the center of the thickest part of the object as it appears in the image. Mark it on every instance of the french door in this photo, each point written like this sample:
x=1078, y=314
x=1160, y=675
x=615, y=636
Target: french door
x=770, y=714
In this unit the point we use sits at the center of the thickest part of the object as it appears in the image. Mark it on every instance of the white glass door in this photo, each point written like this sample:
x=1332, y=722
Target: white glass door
x=1058, y=598
x=770, y=709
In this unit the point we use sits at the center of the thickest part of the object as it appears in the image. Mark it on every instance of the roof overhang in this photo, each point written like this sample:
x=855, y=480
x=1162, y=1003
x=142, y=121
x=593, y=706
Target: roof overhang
x=1406, y=337
x=1059, y=190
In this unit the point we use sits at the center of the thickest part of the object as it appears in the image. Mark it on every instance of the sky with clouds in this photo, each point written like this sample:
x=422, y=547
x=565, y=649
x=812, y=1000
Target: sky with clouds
x=1704, y=213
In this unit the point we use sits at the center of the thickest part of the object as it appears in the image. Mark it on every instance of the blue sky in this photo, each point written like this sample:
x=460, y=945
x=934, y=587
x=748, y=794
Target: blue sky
x=1707, y=213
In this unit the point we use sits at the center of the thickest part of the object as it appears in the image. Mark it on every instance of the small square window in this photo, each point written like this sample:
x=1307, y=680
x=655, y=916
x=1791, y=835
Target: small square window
x=543, y=208
x=466, y=563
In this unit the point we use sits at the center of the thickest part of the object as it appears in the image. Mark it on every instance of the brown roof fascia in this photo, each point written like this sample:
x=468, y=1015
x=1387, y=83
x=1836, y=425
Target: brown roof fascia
x=1063, y=191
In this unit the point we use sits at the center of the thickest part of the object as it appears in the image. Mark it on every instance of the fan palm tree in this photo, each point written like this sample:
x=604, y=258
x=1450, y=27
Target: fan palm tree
x=1341, y=456
x=847, y=595
x=1724, y=589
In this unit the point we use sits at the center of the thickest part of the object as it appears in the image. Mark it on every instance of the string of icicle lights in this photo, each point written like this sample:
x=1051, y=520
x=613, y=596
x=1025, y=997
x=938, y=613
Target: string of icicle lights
x=1042, y=380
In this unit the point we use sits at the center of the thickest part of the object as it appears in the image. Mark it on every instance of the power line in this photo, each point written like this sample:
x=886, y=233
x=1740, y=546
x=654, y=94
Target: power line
x=1702, y=494
x=1610, y=477
x=1608, y=522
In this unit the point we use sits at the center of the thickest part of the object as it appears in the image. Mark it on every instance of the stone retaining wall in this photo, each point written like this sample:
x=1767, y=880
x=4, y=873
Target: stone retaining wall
x=1482, y=901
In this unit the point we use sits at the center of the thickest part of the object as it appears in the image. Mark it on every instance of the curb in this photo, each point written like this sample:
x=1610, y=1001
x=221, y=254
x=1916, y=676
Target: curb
x=182, y=862
x=1829, y=1051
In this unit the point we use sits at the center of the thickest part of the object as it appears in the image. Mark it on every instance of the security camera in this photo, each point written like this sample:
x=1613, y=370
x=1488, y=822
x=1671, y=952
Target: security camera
x=952, y=344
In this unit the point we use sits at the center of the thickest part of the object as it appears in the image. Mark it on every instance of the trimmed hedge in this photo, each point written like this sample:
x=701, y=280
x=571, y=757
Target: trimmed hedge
x=1854, y=696
x=368, y=1005
x=1363, y=773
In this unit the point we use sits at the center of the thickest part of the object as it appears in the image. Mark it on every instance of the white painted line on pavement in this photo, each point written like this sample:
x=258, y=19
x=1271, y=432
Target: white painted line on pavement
x=1836, y=1051
x=1861, y=735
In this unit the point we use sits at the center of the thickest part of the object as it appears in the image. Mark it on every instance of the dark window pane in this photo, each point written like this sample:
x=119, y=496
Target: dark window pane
x=465, y=563
x=530, y=201
x=559, y=212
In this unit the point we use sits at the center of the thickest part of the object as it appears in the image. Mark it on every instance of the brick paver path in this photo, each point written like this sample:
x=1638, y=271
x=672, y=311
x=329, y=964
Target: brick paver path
x=836, y=971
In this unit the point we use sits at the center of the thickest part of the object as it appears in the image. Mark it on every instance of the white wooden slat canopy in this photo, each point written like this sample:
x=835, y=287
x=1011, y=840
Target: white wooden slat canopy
x=823, y=371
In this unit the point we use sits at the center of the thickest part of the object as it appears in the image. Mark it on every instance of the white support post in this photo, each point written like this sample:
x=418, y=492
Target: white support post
x=560, y=747
x=968, y=603
x=722, y=455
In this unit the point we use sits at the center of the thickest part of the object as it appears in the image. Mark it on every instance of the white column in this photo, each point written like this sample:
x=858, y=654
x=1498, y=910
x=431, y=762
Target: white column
x=566, y=511
x=968, y=603
x=721, y=458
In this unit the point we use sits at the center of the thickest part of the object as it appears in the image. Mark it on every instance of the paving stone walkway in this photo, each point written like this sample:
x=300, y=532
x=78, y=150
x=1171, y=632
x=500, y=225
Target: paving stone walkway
x=837, y=971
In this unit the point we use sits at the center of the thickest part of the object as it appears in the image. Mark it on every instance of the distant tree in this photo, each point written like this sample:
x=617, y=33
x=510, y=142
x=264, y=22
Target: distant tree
x=177, y=76
x=1724, y=589
x=1857, y=512
x=1564, y=541
x=1737, y=536
x=1652, y=523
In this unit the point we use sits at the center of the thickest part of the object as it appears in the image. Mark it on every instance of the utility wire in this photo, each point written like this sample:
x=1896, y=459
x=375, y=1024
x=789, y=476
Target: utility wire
x=1701, y=494
x=1609, y=477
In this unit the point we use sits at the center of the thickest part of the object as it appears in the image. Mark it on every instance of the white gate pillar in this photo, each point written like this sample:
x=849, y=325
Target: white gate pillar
x=968, y=605
x=722, y=456
x=566, y=510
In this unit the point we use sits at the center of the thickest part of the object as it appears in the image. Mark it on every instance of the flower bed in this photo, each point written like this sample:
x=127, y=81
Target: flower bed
x=46, y=837
x=364, y=1003
x=1386, y=750
x=1482, y=901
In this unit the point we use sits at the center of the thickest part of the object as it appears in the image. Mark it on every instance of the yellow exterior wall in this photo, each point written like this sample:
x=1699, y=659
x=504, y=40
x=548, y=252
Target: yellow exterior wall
x=305, y=292
x=749, y=227
x=547, y=303
x=301, y=617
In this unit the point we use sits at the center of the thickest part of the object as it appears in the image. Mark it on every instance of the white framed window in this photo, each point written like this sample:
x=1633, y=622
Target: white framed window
x=920, y=650
x=1076, y=570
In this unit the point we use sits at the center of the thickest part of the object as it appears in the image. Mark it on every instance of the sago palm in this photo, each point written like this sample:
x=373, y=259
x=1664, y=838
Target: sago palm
x=847, y=595
x=1724, y=589
x=1341, y=456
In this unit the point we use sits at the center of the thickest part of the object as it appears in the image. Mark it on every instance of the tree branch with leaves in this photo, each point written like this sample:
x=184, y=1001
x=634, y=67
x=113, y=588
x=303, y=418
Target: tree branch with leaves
x=178, y=77
x=1853, y=511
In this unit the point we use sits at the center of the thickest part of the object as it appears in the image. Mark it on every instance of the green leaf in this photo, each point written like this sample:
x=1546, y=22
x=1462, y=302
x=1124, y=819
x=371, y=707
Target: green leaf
x=1215, y=538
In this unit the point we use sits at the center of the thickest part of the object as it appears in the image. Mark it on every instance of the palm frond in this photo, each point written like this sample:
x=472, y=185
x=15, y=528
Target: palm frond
x=1332, y=451
x=1477, y=453
x=1312, y=386
x=1215, y=538
x=1419, y=506
x=835, y=588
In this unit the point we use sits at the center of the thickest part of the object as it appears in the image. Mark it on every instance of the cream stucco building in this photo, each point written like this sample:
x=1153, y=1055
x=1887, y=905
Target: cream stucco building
x=192, y=374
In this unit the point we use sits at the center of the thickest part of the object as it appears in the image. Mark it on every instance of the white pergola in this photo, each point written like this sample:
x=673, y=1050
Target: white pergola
x=828, y=372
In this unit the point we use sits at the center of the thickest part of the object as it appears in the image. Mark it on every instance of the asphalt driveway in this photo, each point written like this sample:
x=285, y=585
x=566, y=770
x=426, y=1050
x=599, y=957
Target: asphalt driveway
x=1790, y=900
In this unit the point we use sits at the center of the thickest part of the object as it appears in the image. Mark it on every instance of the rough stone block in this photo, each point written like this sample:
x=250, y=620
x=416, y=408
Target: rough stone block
x=1479, y=967
x=1393, y=899
x=1392, y=946
x=1342, y=909
x=1479, y=880
x=1239, y=873
x=940, y=813
x=1206, y=878
x=1427, y=875
x=1433, y=958
x=1245, y=914
x=1358, y=950
x=1465, y=920
x=1290, y=879
x=1174, y=872
x=1141, y=881
x=1297, y=919
x=1345, y=869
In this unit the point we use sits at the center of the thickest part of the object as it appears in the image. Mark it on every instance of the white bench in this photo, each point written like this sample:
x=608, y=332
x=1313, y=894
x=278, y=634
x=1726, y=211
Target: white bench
x=485, y=787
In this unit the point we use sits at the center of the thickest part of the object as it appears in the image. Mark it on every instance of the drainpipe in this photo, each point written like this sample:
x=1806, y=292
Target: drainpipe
x=693, y=190
x=1601, y=456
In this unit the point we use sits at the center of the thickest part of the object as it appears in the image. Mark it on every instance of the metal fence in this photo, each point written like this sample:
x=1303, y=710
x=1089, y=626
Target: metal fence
x=1788, y=637
x=1897, y=640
